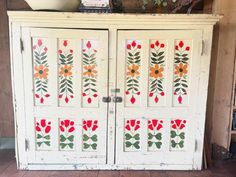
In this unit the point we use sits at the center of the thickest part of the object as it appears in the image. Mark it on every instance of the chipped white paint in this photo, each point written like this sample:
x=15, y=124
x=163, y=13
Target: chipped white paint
x=24, y=25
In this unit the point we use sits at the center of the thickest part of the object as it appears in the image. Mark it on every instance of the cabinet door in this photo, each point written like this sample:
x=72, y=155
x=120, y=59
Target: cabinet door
x=65, y=78
x=158, y=81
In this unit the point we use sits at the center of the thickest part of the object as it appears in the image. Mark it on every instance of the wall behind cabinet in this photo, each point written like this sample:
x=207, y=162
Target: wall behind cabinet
x=6, y=109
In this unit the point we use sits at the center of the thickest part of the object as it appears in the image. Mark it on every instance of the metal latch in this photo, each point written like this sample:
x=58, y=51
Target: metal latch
x=117, y=99
x=106, y=99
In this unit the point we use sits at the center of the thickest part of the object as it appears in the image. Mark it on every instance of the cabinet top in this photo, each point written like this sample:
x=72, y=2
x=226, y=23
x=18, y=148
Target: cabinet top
x=112, y=18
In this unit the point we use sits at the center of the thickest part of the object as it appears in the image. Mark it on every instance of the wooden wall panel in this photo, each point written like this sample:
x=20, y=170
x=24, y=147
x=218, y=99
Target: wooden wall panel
x=222, y=70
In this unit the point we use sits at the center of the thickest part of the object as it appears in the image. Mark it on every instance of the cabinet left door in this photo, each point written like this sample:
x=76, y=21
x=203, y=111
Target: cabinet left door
x=65, y=77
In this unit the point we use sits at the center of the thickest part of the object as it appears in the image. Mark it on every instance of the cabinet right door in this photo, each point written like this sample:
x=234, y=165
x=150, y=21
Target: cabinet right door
x=158, y=78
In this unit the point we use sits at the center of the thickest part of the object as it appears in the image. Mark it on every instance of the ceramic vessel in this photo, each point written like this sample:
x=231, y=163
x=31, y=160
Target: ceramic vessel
x=58, y=5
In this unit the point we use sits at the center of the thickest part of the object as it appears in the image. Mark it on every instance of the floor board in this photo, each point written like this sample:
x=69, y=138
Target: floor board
x=8, y=169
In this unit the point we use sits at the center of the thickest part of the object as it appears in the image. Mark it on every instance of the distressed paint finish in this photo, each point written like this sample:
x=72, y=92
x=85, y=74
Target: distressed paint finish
x=78, y=159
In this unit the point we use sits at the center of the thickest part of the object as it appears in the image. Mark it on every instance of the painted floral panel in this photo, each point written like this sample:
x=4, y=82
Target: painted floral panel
x=178, y=134
x=65, y=72
x=155, y=134
x=132, y=135
x=43, y=134
x=181, y=72
x=133, y=72
x=90, y=136
x=67, y=134
x=157, y=66
x=41, y=72
x=90, y=74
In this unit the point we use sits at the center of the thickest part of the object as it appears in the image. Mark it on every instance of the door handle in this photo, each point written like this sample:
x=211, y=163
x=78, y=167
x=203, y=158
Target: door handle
x=117, y=99
x=106, y=99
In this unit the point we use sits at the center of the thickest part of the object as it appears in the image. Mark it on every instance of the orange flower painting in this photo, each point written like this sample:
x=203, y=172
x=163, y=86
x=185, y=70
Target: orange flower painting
x=133, y=70
x=65, y=71
x=91, y=72
x=181, y=69
x=156, y=71
x=41, y=72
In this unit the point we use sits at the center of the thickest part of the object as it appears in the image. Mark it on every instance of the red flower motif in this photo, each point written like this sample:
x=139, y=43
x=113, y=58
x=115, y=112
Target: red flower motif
x=90, y=125
x=180, y=99
x=67, y=125
x=83, y=94
x=40, y=42
x=181, y=44
x=60, y=51
x=162, y=93
x=65, y=43
x=150, y=94
x=187, y=48
x=155, y=124
x=176, y=47
x=36, y=95
x=157, y=43
x=34, y=47
x=132, y=100
x=162, y=45
x=138, y=93
x=95, y=95
x=89, y=45
x=156, y=99
x=178, y=124
x=45, y=49
x=139, y=46
x=71, y=51
x=132, y=124
x=133, y=44
x=41, y=100
x=43, y=126
x=89, y=100
x=127, y=92
x=129, y=46
x=47, y=95
x=152, y=46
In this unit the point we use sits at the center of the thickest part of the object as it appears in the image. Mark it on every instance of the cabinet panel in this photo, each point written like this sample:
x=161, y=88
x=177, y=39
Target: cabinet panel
x=65, y=78
x=158, y=78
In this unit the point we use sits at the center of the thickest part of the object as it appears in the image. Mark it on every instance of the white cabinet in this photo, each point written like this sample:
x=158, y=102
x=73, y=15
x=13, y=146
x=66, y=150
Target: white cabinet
x=109, y=91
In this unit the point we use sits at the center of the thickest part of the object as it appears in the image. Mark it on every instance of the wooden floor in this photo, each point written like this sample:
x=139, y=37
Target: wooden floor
x=8, y=169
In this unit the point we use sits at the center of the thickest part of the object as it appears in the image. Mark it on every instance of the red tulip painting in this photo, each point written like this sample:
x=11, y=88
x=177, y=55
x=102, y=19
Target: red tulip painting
x=154, y=134
x=132, y=135
x=43, y=137
x=178, y=134
x=90, y=136
x=67, y=128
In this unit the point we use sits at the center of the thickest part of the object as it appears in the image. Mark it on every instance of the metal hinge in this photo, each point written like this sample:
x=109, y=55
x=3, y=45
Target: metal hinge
x=26, y=145
x=202, y=47
x=196, y=144
x=21, y=45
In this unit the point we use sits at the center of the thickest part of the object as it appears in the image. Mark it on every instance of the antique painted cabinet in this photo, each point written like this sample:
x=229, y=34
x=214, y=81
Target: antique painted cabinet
x=109, y=91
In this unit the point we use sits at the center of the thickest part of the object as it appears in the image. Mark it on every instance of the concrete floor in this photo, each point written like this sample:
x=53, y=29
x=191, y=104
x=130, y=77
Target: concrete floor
x=8, y=169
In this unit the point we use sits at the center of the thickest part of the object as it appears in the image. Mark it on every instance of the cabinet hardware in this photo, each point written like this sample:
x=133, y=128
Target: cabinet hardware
x=106, y=99
x=117, y=99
